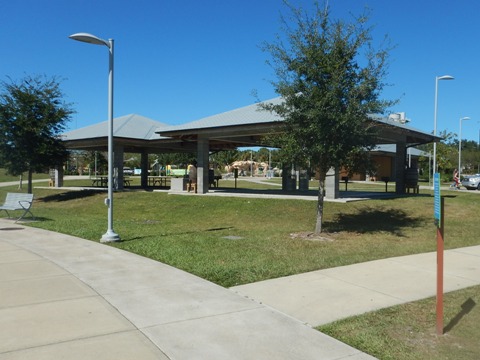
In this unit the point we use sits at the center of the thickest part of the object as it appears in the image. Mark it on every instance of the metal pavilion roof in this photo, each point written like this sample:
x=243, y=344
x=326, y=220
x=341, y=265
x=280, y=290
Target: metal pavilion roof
x=134, y=132
x=251, y=114
x=128, y=126
x=247, y=126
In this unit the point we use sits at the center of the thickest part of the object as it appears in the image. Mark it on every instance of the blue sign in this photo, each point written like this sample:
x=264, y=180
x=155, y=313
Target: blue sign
x=436, y=192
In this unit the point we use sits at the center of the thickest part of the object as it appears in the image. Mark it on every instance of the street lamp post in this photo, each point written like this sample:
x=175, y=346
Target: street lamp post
x=460, y=147
x=110, y=235
x=444, y=77
x=478, y=146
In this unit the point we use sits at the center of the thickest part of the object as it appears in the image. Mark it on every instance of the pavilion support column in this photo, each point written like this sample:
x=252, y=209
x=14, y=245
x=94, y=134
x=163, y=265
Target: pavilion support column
x=118, y=167
x=58, y=176
x=144, y=168
x=202, y=165
x=400, y=168
x=332, y=184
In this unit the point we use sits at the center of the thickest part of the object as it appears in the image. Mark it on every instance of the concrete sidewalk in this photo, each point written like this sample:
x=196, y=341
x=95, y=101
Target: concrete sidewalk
x=67, y=298
x=323, y=296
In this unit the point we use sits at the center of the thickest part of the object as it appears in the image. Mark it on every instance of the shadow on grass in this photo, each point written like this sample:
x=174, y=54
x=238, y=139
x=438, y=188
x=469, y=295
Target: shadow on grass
x=450, y=196
x=467, y=306
x=68, y=195
x=178, y=233
x=220, y=228
x=373, y=220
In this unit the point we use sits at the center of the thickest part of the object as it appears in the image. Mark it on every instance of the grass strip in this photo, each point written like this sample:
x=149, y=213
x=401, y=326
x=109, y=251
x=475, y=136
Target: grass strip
x=408, y=332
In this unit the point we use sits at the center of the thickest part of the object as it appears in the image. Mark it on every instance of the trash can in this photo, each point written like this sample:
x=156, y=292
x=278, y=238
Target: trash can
x=303, y=180
x=289, y=181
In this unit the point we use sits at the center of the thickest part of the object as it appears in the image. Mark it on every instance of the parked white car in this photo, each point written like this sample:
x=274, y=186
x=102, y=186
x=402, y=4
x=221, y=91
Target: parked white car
x=471, y=182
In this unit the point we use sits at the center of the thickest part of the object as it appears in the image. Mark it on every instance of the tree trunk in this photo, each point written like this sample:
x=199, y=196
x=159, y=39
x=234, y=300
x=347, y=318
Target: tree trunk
x=30, y=178
x=321, y=195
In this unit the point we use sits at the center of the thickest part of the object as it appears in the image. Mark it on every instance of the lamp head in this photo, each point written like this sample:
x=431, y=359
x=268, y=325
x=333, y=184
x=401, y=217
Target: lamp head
x=90, y=39
x=445, y=77
x=465, y=118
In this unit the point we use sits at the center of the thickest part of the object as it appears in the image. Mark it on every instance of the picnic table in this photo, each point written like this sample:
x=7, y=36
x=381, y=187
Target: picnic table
x=102, y=181
x=160, y=180
x=213, y=180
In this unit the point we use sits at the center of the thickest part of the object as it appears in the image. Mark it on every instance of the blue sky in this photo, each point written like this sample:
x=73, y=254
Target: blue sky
x=178, y=61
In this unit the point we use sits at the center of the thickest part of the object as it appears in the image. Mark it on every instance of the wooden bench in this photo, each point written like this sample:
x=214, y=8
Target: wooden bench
x=345, y=180
x=415, y=188
x=213, y=179
x=18, y=201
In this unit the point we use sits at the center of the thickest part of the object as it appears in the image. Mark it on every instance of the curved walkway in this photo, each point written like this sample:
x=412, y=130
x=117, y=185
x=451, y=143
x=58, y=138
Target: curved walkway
x=65, y=297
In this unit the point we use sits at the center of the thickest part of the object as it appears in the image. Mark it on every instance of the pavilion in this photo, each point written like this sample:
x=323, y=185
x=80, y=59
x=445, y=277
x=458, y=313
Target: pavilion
x=243, y=127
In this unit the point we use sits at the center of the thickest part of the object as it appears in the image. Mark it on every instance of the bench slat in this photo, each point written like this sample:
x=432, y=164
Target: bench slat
x=18, y=201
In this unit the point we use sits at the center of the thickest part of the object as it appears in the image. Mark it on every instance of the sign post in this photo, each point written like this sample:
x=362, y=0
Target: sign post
x=439, y=217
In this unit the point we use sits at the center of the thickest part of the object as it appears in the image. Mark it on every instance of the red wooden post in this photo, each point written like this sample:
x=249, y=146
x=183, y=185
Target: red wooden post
x=440, y=251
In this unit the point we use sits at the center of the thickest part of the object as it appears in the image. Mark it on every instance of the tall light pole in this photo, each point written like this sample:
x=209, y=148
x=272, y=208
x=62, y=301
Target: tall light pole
x=110, y=235
x=444, y=77
x=460, y=147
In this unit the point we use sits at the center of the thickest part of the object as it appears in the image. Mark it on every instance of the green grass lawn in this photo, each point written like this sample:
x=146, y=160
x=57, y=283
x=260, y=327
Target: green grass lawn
x=233, y=241
x=7, y=178
x=408, y=331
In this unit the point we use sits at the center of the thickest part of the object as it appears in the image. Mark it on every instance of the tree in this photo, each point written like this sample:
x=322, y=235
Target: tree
x=447, y=153
x=263, y=155
x=95, y=161
x=225, y=157
x=470, y=157
x=32, y=116
x=329, y=76
x=181, y=159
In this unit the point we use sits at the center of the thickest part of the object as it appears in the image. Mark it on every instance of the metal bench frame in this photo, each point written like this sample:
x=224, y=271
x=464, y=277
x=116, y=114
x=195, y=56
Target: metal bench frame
x=18, y=201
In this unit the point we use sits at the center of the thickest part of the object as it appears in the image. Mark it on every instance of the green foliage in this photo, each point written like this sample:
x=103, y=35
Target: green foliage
x=328, y=87
x=92, y=158
x=180, y=159
x=469, y=145
x=470, y=157
x=32, y=116
x=447, y=152
x=470, y=161
x=330, y=78
x=226, y=157
x=447, y=156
